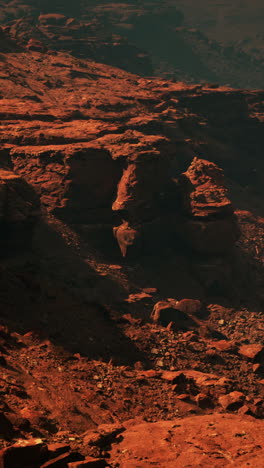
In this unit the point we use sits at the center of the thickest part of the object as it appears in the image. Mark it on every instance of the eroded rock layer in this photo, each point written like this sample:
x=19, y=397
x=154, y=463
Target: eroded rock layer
x=172, y=336
x=101, y=146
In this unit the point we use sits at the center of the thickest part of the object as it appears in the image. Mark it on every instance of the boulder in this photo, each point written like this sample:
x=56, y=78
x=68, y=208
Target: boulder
x=208, y=225
x=165, y=312
x=23, y=454
x=52, y=18
x=189, y=306
x=252, y=351
x=232, y=401
x=129, y=239
x=57, y=448
x=89, y=462
x=204, y=192
x=142, y=189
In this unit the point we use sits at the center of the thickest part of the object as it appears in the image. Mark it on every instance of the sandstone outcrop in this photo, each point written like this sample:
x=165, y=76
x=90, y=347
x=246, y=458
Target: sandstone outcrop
x=93, y=161
x=209, y=226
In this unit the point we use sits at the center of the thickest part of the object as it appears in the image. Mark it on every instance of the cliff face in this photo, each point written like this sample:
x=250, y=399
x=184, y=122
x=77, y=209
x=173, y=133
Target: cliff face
x=101, y=146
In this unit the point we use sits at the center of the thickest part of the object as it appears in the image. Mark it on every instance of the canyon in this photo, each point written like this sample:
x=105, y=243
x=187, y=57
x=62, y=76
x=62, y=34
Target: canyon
x=131, y=202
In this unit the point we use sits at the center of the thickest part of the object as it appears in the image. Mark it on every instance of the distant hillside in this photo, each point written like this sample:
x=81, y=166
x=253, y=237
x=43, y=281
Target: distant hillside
x=202, y=42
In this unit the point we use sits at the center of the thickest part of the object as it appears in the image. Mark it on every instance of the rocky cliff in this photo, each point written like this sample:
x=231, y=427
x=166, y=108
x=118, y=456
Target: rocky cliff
x=131, y=265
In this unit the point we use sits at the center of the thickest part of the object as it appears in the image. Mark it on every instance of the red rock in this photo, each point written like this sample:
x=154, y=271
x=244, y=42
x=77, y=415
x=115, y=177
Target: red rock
x=224, y=345
x=253, y=351
x=130, y=319
x=165, y=312
x=65, y=187
x=171, y=376
x=23, y=454
x=35, y=45
x=183, y=397
x=150, y=291
x=141, y=183
x=89, y=461
x=150, y=374
x=57, y=449
x=182, y=442
x=190, y=336
x=205, y=192
x=244, y=410
x=205, y=201
x=105, y=433
x=201, y=379
x=52, y=18
x=138, y=297
x=189, y=306
x=128, y=239
x=203, y=401
x=62, y=460
x=232, y=401
x=139, y=366
x=256, y=368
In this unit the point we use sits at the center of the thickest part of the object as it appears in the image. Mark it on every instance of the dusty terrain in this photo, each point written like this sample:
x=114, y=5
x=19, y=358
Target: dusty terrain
x=131, y=279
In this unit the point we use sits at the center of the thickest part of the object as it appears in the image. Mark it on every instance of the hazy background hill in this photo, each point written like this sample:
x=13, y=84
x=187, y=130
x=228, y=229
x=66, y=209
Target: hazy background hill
x=201, y=41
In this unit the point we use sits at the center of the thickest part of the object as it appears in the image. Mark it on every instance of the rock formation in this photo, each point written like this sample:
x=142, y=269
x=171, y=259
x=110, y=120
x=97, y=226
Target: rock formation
x=98, y=352
x=209, y=224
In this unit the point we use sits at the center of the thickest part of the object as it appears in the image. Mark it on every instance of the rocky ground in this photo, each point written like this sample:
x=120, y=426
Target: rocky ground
x=131, y=287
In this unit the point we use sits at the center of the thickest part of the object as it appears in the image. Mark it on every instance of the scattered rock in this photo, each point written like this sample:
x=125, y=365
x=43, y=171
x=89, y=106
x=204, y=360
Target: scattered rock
x=24, y=454
x=232, y=401
x=165, y=312
x=62, y=460
x=204, y=401
x=104, y=435
x=189, y=306
x=138, y=297
x=57, y=449
x=253, y=351
x=128, y=239
x=224, y=346
x=245, y=410
x=132, y=320
x=89, y=462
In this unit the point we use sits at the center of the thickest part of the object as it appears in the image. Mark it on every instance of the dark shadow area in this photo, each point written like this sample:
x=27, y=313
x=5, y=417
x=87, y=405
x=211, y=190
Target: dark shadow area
x=52, y=290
